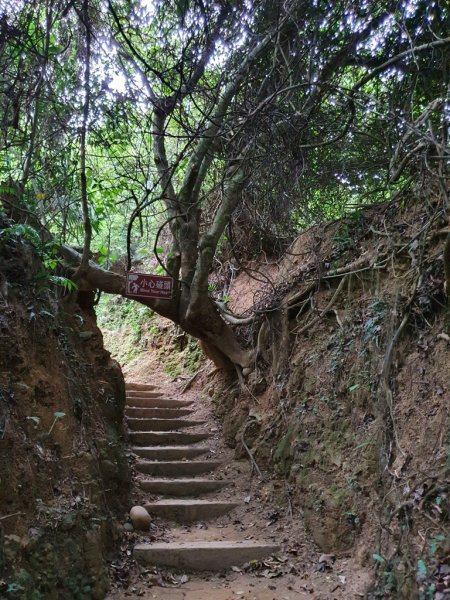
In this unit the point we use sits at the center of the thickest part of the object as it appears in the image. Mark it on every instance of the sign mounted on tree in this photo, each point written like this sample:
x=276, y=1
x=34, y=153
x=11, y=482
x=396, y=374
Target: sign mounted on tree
x=140, y=285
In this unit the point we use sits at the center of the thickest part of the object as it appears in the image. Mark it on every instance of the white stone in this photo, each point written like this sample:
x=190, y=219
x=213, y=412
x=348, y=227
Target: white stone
x=140, y=518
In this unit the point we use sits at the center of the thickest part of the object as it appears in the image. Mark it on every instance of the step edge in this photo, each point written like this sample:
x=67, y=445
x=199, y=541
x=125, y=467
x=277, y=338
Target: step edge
x=186, y=480
x=169, y=448
x=180, y=462
x=190, y=502
x=187, y=545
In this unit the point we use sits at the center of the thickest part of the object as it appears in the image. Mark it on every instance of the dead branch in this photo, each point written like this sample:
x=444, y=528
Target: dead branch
x=16, y=514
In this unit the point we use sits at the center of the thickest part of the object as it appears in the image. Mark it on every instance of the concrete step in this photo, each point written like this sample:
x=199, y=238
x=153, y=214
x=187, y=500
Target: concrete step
x=169, y=452
x=203, y=556
x=157, y=413
x=157, y=403
x=166, y=437
x=130, y=386
x=143, y=394
x=183, y=487
x=187, y=511
x=177, y=468
x=160, y=424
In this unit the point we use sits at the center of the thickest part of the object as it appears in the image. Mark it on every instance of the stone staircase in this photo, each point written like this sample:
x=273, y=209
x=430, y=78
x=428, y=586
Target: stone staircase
x=172, y=468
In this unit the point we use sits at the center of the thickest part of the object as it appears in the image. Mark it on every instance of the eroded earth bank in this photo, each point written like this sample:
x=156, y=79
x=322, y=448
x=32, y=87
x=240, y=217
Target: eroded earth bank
x=63, y=472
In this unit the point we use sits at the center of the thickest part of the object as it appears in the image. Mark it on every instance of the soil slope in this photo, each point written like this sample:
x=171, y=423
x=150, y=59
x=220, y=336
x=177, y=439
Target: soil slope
x=348, y=397
x=63, y=472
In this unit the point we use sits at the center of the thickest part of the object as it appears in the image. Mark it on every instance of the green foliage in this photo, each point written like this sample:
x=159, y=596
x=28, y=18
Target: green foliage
x=388, y=580
x=434, y=544
x=293, y=176
x=171, y=365
x=58, y=415
x=125, y=321
x=193, y=356
x=36, y=420
x=114, y=313
x=64, y=282
x=21, y=230
x=182, y=6
x=378, y=558
x=373, y=322
x=130, y=328
x=47, y=252
x=343, y=238
x=14, y=588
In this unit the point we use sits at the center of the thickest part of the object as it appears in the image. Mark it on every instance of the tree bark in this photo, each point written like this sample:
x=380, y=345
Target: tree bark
x=205, y=323
x=83, y=139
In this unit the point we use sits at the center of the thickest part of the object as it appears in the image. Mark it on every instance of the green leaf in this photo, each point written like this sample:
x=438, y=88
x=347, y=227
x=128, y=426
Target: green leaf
x=59, y=415
x=421, y=570
x=63, y=282
x=378, y=558
x=354, y=387
x=34, y=419
x=85, y=335
x=21, y=230
x=14, y=587
x=51, y=264
x=4, y=189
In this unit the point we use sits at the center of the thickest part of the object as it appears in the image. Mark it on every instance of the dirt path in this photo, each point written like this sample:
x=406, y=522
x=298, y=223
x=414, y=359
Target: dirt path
x=263, y=515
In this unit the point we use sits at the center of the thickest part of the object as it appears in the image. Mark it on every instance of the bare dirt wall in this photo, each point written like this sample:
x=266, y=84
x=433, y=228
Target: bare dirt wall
x=63, y=473
x=348, y=396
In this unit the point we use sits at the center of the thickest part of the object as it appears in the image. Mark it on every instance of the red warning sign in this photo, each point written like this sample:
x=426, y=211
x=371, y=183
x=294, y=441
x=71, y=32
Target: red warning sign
x=140, y=285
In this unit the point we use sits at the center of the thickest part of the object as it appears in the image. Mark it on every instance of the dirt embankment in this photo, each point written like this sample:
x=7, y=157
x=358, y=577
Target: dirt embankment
x=63, y=473
x=348, y=399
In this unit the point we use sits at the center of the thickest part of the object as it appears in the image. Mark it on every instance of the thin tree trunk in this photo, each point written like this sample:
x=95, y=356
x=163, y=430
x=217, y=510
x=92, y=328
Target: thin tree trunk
x=84, y=130
x=36, y=113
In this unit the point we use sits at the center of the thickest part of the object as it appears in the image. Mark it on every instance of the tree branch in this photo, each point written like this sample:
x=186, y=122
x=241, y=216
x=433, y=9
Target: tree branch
x=209, y=241
x=83, y=179
x=396, y=58
x=194, y=172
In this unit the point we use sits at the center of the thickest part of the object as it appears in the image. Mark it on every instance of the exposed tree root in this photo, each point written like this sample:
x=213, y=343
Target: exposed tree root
x=191, y=380
x=447, y=265
x=327, y=308
x=249, y=452
x=385, y=376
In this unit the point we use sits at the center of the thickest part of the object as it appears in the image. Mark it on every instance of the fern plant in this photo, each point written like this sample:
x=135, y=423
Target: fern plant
x=47, y=252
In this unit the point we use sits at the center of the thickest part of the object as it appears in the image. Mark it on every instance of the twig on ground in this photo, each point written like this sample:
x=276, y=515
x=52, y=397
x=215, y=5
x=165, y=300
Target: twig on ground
x=191, y=380
x=11, y=515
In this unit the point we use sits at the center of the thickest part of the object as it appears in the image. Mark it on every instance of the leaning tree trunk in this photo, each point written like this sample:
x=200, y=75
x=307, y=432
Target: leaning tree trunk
x=204, y=322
